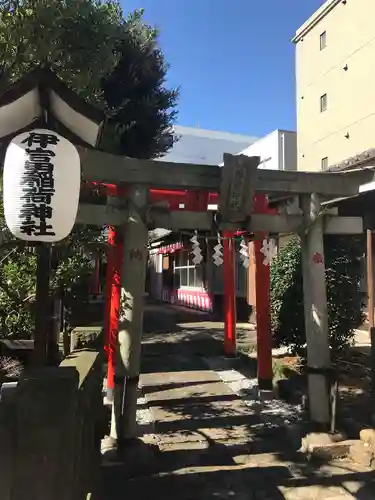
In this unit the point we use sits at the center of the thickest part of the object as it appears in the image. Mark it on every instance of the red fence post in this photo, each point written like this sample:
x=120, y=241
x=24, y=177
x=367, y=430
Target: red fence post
x=229, y=270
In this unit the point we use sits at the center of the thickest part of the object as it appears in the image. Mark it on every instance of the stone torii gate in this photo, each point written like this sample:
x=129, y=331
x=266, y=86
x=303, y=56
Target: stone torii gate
x=236, y=184
x=130, y=209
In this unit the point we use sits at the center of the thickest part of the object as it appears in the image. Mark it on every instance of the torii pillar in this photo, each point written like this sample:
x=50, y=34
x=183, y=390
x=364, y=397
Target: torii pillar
x=128, y=352
x=230, y=308
x=259, y=298
x=115, y=255
x=316, y=313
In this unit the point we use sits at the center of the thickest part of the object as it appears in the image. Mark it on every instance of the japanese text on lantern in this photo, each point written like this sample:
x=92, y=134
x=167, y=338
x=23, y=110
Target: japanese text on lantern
x=38, y=185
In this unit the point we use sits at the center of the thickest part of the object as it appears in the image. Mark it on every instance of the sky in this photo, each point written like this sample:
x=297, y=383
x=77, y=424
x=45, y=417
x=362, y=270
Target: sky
x=233, y=60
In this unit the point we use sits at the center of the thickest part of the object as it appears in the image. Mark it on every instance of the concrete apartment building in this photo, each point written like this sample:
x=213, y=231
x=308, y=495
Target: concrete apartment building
x=335, y=50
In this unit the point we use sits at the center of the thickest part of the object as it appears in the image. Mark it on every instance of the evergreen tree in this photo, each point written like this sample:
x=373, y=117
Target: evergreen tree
x=113, y=62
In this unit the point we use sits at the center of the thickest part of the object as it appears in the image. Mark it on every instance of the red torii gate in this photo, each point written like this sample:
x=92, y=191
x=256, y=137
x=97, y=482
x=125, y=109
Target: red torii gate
x=197, y=201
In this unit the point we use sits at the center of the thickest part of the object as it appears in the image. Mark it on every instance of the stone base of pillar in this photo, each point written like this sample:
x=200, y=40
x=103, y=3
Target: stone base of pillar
x=109, y=449
x=229, y=362
x=135, y=455
x=265, y=384
x=253, y=316
x=324, y=444
x=109, y=395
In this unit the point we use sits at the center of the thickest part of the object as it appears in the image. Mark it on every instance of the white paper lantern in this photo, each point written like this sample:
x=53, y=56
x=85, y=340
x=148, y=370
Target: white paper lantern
x=42, y=178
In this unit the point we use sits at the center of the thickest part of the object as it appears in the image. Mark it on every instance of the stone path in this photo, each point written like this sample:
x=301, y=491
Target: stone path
x=210, y=437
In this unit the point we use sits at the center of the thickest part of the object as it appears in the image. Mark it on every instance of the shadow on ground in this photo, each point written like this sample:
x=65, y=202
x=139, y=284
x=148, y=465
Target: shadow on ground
x=266, y=483
x=208, y=444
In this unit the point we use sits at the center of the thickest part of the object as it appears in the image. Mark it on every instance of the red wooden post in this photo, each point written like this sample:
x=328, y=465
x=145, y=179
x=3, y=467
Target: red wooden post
x=113, y=294
x=263, y=310
x=114, y=308
x=229, y=270
x=111, y=191
x=263, y=320
x=108, y=294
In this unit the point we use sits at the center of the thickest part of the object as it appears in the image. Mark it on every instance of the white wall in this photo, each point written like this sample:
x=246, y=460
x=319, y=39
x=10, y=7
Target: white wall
x=277, y=151
x=205, y=147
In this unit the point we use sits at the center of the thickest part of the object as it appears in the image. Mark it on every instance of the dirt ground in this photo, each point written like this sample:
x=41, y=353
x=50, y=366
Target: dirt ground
x=354, y=404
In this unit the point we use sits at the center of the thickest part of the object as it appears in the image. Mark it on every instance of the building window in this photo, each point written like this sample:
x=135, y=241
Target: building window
x=323, y=103
x=186, y=273
x=323, y=40
x=325, y=163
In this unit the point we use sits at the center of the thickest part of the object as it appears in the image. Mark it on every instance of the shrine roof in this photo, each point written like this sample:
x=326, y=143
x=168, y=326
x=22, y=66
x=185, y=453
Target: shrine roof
x=23, y=104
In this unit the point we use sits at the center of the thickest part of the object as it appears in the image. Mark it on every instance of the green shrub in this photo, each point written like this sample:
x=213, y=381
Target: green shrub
x=344, y=265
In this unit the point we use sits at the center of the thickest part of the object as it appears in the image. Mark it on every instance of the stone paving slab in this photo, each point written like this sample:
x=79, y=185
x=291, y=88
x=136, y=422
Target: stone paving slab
x=179, y=379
